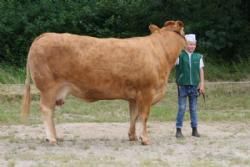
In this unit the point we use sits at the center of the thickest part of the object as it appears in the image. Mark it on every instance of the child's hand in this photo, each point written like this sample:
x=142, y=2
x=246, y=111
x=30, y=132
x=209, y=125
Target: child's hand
x=202, y=88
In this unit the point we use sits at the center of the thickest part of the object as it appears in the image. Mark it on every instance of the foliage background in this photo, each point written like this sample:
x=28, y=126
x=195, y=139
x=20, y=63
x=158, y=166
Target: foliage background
x=222, y=27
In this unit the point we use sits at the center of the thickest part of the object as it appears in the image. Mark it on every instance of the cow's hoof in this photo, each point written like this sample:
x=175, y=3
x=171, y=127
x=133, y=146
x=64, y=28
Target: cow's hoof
x=132, y=138
x=58, y=139
x=51, y=142
x=145, y=141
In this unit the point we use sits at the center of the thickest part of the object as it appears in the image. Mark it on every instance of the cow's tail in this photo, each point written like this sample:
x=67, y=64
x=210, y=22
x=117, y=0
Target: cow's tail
x=26, y=96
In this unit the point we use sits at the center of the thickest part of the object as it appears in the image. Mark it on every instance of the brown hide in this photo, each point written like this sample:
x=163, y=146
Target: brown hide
x=97, y=69
x=134, y=69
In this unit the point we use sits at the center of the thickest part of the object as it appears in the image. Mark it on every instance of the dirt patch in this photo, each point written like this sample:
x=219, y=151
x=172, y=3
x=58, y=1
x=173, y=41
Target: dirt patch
x=106, y=144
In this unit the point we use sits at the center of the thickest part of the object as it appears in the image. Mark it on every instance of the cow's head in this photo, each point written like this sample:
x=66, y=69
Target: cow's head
x=176, y=26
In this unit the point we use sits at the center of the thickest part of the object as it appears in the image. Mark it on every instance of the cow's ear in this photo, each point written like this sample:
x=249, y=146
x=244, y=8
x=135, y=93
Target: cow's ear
x=153, y=28
x=180, y=27
x=180, y=23
x=177, y=26
x=168, y=23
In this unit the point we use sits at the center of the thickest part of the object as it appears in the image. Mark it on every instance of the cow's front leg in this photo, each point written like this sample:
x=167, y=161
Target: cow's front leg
x=144, y=110
x=133, y=110
x=144, y=117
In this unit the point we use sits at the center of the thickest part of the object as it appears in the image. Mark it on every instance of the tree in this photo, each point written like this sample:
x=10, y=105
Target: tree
x=222, y=27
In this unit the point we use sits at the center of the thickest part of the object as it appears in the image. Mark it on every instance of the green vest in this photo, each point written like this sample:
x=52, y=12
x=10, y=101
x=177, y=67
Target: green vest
x=188, y=73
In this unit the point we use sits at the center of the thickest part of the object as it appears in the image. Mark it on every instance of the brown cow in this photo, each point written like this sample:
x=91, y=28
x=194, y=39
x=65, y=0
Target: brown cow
x=132, y=69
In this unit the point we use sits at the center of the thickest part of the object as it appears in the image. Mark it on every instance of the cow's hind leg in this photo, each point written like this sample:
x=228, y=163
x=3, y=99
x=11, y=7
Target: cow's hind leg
x=133, y=109
x=47, y=106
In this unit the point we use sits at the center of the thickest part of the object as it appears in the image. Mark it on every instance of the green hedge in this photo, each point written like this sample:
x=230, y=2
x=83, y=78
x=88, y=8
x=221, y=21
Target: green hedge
x=222, y=27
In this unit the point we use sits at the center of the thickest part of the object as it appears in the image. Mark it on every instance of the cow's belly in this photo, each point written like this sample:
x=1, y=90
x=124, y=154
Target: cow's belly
x=92, y=94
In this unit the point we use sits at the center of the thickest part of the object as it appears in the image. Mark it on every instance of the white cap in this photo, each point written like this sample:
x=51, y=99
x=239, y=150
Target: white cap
x=190, y=38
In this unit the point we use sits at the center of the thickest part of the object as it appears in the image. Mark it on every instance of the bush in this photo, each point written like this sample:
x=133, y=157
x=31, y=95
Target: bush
x=222, y=27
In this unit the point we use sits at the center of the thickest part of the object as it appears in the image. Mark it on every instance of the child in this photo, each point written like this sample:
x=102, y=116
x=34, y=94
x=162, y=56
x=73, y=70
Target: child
x=190, y=80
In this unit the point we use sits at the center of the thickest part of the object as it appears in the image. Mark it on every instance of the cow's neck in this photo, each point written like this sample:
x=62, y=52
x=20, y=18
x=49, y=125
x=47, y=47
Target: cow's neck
x=172, y=48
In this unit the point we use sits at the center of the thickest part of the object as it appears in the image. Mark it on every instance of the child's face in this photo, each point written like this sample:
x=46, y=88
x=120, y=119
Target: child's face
x=190, y=46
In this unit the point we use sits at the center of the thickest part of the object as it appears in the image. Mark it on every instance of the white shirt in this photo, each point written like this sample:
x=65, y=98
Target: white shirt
x=189, y=55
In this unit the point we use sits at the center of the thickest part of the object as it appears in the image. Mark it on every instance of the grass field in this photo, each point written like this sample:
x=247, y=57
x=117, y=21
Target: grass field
x=224, y=102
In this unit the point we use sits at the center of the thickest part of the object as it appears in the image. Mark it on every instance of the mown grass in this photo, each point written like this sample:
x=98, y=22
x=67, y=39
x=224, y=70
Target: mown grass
x=224, y=102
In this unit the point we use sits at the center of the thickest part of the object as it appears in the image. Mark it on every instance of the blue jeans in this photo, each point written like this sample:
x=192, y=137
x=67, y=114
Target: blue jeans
x=191, y=92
